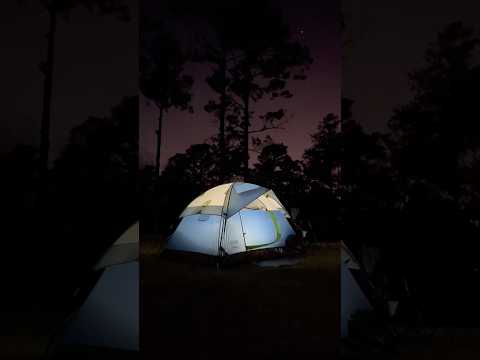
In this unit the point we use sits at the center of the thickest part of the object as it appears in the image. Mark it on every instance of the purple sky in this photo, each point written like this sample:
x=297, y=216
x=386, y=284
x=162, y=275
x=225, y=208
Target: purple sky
x=97, y=64
x=313, y=98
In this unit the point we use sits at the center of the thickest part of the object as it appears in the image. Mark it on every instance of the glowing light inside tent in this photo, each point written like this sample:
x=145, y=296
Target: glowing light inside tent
x=232, y=218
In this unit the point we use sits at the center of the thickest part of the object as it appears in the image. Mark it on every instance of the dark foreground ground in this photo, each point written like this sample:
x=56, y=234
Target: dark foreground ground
x=25, y=334
x=445, y=344
x=241, y=312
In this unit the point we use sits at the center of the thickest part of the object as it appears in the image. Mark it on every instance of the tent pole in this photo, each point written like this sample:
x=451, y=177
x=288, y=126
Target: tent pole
x=243, y=231
x=224, y=225
x=222, y=230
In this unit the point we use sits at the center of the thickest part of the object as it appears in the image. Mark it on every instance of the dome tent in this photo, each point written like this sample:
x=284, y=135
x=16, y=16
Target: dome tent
x=107, y=316
x=232, y=218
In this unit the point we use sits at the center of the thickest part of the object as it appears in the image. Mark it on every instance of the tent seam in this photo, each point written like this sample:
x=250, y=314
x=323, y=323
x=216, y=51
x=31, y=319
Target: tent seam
x=226, y=202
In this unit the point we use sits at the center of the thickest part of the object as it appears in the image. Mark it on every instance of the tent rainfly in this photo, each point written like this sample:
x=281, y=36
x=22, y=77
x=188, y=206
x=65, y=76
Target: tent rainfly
x=355, y=289
x=109, y=317
x=230, y=219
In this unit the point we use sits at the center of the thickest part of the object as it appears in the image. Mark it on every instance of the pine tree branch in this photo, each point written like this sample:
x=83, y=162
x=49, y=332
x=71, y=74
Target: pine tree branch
x=265, y=128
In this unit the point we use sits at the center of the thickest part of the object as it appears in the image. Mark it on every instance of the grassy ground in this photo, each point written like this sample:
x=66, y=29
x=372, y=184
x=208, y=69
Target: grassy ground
x=442, y=347
x=448, y=346
x=26, y=334
x=241, y=311
x=370, y=340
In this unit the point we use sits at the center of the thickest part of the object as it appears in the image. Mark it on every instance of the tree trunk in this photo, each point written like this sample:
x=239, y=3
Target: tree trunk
x=156, y=212
x=47, y=99
x=223, y=111
x=159, y=141
x=246, y=126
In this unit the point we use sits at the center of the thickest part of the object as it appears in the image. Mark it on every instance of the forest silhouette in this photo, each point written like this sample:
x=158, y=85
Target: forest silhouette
x=413, y=192
x=63, y=212
x=91, y=200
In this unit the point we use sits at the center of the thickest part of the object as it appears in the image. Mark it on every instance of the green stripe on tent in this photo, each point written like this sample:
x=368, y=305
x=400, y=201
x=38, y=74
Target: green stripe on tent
x=277, y=226
x=278, y=234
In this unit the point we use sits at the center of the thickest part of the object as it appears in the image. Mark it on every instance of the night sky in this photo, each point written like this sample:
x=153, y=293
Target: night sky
x=97, y=57
x=313, y=98
x=388, y=40
x=95, y=67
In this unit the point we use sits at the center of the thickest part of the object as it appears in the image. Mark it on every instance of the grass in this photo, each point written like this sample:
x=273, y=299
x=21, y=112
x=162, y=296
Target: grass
x=151, y=248
x=26, y=334
x=242, y=311
x=442, y=347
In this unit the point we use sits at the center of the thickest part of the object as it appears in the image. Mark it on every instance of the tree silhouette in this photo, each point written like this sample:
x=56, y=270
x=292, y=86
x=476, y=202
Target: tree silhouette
x=250, y=63
x=19, y=185
x=367, y=182
x=266, y=59
x=162, y=80
x=321, y=165
x=57, y=9
x=19, y=191
x=434, y=130
x=195, y=166
x=220, y=52
x=323, y=159
x=433, y=147
x=95, y=178
x=277, y=170
x=185, y=176
x=92, y=200
x=411, y=191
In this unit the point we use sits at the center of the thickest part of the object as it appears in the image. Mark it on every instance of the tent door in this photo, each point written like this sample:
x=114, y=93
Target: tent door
x=233, y=240
x=261, y=228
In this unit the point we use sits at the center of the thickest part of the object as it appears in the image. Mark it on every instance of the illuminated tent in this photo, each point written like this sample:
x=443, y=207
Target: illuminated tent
x=108, y=318
x=232, y=218
x=355, y=288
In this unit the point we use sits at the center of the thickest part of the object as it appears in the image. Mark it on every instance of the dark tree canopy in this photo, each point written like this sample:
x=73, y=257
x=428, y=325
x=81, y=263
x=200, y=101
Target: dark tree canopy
x=98, y=166
x=435, y=130
x=324, y=157
x=162, y=79
x=411, y=192
x=162, y=61
x=277, y=170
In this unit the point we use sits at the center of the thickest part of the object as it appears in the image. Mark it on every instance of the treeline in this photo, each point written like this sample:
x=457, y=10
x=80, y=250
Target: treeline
x=413, y=192
x=53, y=236
x=61, y=214
x=310, y=185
